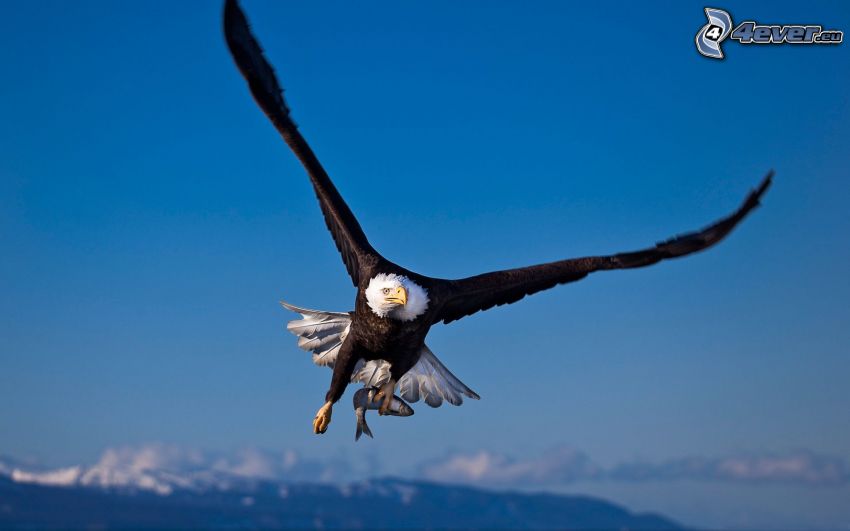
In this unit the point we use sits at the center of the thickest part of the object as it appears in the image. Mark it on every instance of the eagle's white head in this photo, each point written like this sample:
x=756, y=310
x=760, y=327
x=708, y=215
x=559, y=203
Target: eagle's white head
x=396, y=296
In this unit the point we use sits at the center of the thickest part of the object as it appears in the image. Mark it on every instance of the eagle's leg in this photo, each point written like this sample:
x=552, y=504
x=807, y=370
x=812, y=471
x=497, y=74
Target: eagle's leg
x=386, y=395
x=398, y=368
x=343, y=367
x=323, y=418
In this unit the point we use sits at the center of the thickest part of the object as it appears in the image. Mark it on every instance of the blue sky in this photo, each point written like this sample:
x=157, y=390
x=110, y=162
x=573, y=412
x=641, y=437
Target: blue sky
x=150, y=220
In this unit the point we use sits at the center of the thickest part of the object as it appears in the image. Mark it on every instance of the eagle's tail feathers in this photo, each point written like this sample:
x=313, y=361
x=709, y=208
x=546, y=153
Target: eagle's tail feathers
x=431, y=381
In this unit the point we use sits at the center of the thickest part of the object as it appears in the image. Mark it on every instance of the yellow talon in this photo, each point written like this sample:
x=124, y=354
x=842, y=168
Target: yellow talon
x=323, y=418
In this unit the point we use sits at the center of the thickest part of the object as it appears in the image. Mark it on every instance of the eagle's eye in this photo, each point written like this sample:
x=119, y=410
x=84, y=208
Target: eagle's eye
x=386, y=291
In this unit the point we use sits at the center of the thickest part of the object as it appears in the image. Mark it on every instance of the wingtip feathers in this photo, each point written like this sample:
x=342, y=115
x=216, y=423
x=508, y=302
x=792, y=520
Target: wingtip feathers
x=765, y=183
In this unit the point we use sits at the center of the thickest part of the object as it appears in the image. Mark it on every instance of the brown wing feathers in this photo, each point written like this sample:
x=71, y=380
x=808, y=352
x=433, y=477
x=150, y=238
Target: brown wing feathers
x=481, y=292
x=347, y=234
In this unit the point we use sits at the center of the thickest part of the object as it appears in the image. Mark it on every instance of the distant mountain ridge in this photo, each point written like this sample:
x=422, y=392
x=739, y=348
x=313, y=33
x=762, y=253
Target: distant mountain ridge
x=385, y=503
x=162, y=488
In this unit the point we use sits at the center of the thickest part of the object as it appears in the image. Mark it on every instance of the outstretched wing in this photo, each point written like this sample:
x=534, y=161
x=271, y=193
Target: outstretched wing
x=469, y=295
x=350, y=240
x=428, y=380
x=319, y=332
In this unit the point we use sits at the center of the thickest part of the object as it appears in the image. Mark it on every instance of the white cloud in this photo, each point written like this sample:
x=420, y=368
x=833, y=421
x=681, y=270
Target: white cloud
x=564, y=465
x=560, y=465
x=153, y=467
x=801, y=466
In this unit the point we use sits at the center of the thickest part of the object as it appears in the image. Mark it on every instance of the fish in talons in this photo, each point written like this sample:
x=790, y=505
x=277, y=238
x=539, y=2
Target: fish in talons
x=365, y=399
x=385, y=396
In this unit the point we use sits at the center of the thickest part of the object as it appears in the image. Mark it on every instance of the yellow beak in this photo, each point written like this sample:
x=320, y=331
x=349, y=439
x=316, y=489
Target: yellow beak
x=399, y=297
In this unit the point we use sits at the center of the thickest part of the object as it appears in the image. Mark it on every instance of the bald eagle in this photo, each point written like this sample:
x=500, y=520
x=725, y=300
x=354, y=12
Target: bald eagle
x=382, y=342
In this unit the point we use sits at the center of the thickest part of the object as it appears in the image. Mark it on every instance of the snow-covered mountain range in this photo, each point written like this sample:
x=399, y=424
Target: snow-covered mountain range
x=163, y=487
x=164, y=469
